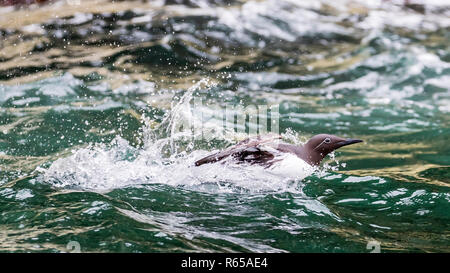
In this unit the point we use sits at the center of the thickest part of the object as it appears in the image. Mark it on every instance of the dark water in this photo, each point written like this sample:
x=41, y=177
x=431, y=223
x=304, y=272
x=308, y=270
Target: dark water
x=88, y=92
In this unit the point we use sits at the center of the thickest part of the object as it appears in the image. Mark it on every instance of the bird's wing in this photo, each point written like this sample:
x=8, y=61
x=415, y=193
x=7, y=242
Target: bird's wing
x=244, y=151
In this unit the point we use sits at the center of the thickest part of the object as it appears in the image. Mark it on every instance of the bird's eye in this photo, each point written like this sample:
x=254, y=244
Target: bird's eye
x=327, y=140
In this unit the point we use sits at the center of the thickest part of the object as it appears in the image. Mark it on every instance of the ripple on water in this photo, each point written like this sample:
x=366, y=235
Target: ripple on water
x=77, y=163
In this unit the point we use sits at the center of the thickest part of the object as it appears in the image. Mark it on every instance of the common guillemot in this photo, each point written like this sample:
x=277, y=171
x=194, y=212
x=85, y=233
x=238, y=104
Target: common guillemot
x=265, y=150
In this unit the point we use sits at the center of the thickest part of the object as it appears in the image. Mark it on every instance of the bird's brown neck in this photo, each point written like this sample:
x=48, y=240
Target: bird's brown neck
x=308, y=154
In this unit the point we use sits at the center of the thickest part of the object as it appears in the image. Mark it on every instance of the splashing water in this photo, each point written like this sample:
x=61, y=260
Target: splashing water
x=105, y=167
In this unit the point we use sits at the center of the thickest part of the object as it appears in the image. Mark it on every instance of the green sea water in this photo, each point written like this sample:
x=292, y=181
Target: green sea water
x=90, y=93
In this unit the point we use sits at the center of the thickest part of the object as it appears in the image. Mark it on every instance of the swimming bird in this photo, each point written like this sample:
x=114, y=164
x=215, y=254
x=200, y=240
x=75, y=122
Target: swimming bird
x=267, y=150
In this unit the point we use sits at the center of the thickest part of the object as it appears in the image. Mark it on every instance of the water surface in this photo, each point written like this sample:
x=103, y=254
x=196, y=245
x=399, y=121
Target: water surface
x=89, y=94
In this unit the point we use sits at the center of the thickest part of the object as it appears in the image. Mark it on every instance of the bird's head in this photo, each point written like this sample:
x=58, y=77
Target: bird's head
x=321, y=145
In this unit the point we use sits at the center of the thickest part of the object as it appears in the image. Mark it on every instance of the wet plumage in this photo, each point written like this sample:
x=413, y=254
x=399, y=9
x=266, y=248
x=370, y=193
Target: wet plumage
x=263, y=150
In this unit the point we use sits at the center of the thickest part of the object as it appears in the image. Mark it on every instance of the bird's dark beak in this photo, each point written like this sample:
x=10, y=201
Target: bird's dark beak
x=349, y=141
